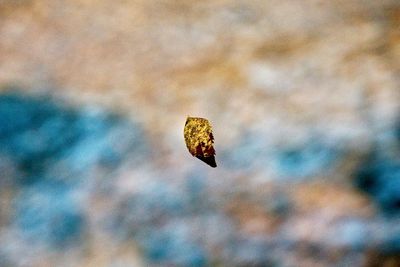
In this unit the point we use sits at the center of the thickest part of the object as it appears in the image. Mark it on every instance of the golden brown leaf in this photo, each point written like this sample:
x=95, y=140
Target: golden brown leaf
x=200, y=140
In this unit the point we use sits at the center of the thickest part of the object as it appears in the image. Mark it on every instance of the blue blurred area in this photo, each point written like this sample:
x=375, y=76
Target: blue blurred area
x=172, y=245
x=37, y=133
x=290, y=162
x=309, y=159
x=250, y=252
x=246, y=154
x=54, y=149
x=57, y=151
x=48, y=213
x=380, y=177
x=154, y=204
x=398, y=131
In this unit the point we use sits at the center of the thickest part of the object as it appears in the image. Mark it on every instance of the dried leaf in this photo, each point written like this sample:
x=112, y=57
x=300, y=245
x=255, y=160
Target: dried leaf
x=200, y=140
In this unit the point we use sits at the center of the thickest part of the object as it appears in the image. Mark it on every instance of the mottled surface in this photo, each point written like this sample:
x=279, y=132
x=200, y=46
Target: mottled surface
x=304, y=101
x=200, y=140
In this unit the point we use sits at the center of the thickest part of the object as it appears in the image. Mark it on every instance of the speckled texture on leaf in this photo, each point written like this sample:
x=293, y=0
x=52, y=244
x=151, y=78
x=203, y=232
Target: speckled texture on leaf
x=199, y=139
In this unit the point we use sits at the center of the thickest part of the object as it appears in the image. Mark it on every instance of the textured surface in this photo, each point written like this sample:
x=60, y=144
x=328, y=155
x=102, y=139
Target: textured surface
x=303, y=96
x=200, y=140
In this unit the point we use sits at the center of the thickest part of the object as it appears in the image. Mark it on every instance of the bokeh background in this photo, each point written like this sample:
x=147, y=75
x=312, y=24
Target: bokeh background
x=304, y=98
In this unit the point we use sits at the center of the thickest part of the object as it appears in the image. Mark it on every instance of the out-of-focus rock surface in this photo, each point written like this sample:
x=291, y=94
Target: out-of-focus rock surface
x=304, y=98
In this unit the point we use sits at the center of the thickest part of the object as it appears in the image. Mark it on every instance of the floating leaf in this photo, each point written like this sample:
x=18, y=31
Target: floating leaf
x=199, y=139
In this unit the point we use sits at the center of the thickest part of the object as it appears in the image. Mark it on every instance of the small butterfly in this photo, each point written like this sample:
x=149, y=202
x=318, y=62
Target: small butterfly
x=199, y=139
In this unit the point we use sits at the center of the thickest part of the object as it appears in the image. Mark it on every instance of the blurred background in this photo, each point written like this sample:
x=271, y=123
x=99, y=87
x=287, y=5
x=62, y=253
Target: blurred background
x=304, y=99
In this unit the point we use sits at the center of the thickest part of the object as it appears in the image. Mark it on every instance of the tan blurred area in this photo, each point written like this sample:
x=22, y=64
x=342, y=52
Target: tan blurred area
x=206, y=57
